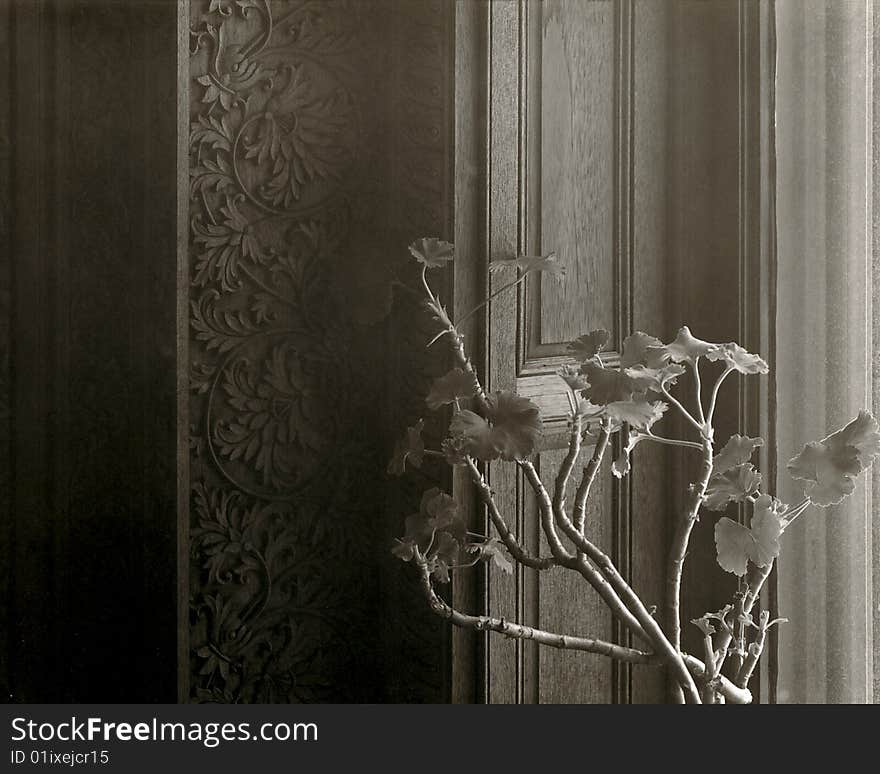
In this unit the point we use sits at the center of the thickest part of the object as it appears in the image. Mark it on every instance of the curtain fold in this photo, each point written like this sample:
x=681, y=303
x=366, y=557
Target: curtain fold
x=824, y=164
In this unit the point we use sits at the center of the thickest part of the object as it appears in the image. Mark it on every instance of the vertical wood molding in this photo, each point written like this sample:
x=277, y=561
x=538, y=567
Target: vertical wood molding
x=184, y=689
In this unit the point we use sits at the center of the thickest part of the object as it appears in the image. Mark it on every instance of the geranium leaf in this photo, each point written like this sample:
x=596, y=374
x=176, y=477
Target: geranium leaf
x=732, y=541
x=473, y=435
x=545, y=263
x=636, y=348
x=445, y=553
x=743, y=361
x=516, y=424
x=511, y=431
x=644, y=378
x=733, y=485
x=737, y=450
x=455, y=450
x=766, y=528
x=685, y=348
x=737, y=544
x=827, y=467
x=432, y=252
x=410, y=449
x=404, y=549
x=418, y=531
x=589, y=345
x=573, y=377
x=606, y=385
x=621, y=466
x=638, y=413
x=446, y=389
x=440, y=509
x=494, y=550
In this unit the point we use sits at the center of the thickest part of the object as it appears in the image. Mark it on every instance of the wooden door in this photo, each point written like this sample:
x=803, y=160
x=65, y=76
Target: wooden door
x=593, y=112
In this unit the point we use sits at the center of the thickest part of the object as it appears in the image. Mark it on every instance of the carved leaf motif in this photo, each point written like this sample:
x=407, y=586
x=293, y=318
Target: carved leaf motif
x=299, y=138
x=273, y=427
x=223, y=245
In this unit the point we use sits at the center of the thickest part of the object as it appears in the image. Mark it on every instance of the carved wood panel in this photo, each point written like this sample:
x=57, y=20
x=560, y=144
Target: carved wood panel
x=318, y=149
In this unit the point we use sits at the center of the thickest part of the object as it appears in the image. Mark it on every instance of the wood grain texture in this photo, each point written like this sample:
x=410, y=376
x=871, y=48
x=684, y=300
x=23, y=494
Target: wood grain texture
x=504, y=230
x=90, y=554
x=468, y=647
x=570, y=605
x=649, y=480
x=577, y=165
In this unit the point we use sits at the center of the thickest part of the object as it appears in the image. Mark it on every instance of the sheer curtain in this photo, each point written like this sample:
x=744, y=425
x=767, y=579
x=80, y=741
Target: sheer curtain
x=825, y=288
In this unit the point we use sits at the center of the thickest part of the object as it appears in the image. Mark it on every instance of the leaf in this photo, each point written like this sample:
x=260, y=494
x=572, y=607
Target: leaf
x=573, y=377
x=737, y=544
x=404, y=549
x=828, y=466
x=589, y=345
x=621, y=466
x=441, y=509
x=446, y=389
x=743, y=361
x=511, y=432
x=607, y=385
x=437, y=517
x=495, y=551
x=528, y=263
x=733, y=485
x=685, y=348
x=455, y=450
x=473, y=435
x=636, y=348
x=736, y=451
x=411, y=447
x=638, y=413
x=432, y=252
x=654, y=378
x=444, y=554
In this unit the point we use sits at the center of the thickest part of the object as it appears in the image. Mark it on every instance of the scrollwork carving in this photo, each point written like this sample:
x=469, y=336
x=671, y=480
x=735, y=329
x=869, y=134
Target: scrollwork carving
x=290, y=214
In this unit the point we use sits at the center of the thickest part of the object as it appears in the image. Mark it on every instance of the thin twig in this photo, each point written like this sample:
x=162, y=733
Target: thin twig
x=491, y=296
x=712, y=402
x=699, y=390
x=684, y=412
x=519, y=553
x=649, y=436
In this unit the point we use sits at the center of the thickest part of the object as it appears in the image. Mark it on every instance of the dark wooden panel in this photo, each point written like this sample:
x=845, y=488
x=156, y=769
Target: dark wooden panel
x=90, y=554
x=577, y=164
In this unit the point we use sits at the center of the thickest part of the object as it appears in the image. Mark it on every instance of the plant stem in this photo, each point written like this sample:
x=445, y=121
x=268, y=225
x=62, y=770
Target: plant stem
x=545, y=505
x=516, y=550
x=678, y=550
x=684, y=412
x=670, y=441
x=699, y=390
x=715, y=389
x=492, y=295
x=635, y=605
x=521, y=632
